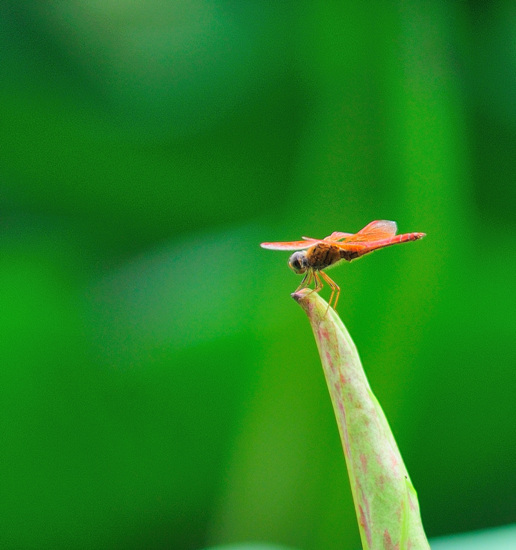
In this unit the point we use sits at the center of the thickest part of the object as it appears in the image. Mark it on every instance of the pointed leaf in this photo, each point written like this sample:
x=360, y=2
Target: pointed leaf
x=385, y=500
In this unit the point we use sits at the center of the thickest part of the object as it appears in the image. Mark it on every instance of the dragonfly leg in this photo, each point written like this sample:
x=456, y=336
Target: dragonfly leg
x=318, y=282
x=307, y=280
x=334, y=289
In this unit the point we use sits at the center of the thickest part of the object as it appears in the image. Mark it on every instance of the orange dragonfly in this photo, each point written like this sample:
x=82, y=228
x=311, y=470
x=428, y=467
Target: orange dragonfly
x=319, y=254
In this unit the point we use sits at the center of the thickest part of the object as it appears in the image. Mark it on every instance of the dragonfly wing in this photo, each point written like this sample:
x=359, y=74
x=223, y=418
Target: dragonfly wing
x=292, y=245
x=374, y=231
x=337, y=236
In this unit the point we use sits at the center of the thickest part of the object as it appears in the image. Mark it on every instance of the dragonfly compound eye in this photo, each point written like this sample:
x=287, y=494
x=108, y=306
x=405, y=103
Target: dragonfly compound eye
x=298, y=262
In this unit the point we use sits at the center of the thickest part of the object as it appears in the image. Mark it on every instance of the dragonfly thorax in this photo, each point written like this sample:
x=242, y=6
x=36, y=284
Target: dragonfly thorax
x=298, y=262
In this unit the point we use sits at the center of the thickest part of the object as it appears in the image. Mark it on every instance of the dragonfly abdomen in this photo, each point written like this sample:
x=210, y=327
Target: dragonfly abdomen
x=348, y=255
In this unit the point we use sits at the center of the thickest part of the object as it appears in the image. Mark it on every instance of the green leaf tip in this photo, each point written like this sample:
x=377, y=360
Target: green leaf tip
x=385, y=501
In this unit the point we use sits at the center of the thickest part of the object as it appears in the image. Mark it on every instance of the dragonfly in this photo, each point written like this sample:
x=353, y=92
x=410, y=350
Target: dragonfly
x=313, y=256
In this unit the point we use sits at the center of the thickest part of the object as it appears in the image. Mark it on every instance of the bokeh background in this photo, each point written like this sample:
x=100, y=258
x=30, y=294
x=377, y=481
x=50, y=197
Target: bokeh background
x=159, y=387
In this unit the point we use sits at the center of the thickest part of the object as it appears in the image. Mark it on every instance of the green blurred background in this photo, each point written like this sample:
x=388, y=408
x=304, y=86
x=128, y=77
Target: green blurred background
x=159, y=387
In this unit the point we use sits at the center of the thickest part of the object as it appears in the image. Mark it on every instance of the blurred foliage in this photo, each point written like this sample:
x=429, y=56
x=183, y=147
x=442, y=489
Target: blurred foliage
x=149, y=343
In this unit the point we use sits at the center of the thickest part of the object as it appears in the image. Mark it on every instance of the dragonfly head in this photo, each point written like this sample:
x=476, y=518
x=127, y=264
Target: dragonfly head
x=298, y=262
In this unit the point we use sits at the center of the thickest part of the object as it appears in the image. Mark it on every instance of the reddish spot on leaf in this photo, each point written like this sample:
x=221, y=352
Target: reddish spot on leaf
x=381, y=481
x=363, y=462
x=343, y=424
x=364, y=523
x=387, y=542
x=394, y=462
x=329, y=359
x=400, y=510
x=350, y=396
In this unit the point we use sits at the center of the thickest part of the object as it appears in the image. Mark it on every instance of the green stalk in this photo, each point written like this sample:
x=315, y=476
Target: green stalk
x=385, y=501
